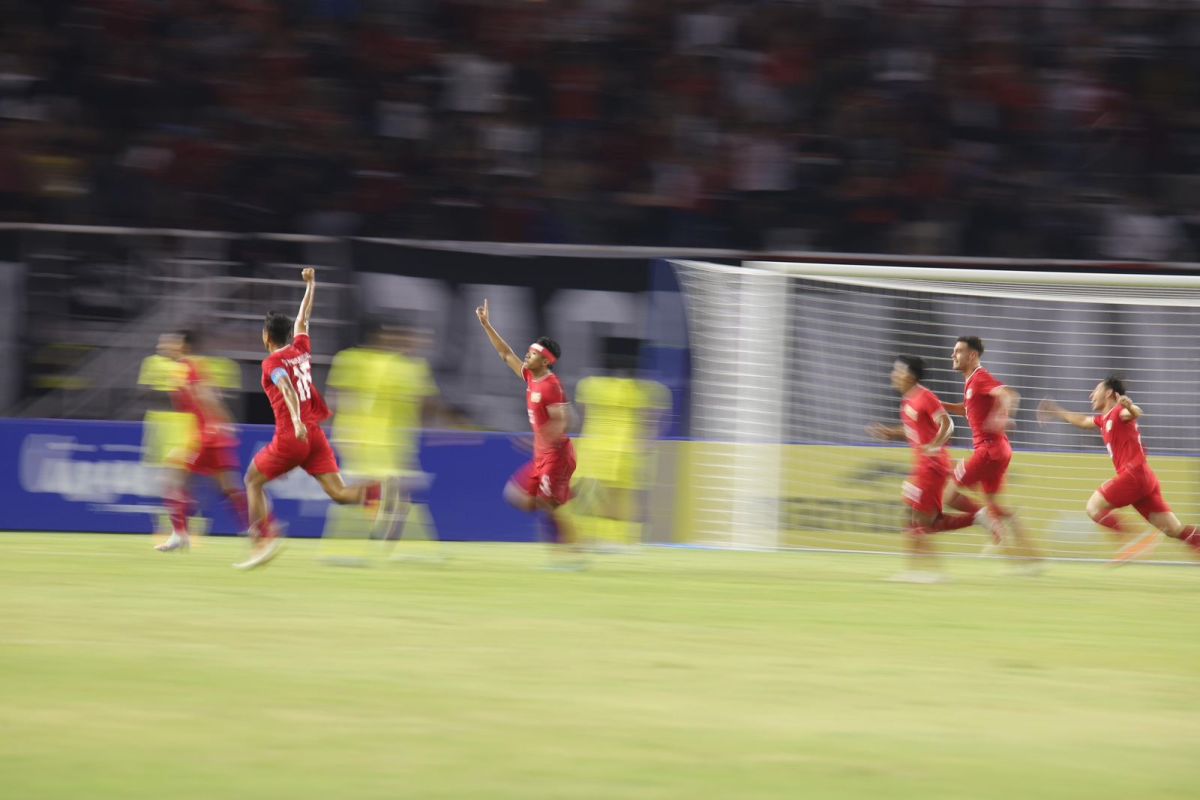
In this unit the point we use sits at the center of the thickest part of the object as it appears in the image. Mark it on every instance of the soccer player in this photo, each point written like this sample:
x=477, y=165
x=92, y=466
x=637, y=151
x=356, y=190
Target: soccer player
x=621, y=419
x=927, y=428
x=209, y=450
x=1135, y=483
x=544, y=484
x=384, y=392
x=988, y=406
x=299, y=440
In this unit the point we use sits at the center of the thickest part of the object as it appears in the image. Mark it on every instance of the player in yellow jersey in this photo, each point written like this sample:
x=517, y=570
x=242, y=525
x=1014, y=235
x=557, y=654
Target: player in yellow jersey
x=382, y=391
x=622, y=416
x=164, y=430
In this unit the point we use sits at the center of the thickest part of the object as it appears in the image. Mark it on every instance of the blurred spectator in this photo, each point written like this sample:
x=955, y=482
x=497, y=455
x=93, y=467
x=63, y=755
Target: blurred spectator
x=887, y=125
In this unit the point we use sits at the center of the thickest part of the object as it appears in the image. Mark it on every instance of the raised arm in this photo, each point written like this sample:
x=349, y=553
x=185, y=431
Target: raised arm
x=506, y=353
x=956, y=408
x=1048, y=409
x=310, y=279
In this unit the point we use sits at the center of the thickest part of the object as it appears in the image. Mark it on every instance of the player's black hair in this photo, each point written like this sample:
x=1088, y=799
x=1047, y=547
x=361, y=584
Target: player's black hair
x=278, y=327
x=188, y=337
x=915, y=364
x=973, y=342
x=551, y=345
x=1115, y=383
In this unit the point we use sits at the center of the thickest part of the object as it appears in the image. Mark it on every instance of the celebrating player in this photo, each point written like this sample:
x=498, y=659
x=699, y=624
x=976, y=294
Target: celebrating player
x=299, y=440
x=543, y=484
x=927, y=427
x=1135, y=483
x=212, y=449
x=988, y=406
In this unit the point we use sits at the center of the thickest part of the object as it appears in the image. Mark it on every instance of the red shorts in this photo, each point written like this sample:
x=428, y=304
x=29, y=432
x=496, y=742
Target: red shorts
x=314, y=455
x=213, y=459
x=985, y=468
x=548, y=475
x=926, y=484
x=1138, y=487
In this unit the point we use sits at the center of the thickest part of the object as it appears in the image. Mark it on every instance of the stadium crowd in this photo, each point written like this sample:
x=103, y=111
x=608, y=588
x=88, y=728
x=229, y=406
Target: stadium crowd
x=1047, y=128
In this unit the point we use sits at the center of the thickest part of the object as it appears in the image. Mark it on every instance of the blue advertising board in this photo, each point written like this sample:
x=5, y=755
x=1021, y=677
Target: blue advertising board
x=89, y=477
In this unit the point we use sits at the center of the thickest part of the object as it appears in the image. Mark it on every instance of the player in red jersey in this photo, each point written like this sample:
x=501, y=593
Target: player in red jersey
x=299, y=440
x=212, y=453
x=544, y=484
x=1135, y=483
x=989, y=407
x=927, y=427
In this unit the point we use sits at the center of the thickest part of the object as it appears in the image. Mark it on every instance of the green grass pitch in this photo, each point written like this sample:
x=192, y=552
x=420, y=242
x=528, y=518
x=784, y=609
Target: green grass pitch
x=129, y=674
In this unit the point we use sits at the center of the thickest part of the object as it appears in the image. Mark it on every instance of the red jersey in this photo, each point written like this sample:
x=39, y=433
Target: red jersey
x=1122, y=438
x=184, y=399
x=921, y=412
x=980, y=402
x=540, y=395
x=294, y=361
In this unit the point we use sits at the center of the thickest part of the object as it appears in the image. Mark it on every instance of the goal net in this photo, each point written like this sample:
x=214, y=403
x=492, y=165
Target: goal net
x=790, y=363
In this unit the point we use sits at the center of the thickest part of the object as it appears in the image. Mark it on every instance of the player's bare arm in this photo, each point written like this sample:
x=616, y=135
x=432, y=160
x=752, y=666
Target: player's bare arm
x=1005, y=410
x=560, y=419
x=886, y=433
x=1049, y=410
x=211, y=404
x=1129, y=409
x=506, y=353
x=945, y=431
x=956, y=408
x=292, y=400
x=306, y=305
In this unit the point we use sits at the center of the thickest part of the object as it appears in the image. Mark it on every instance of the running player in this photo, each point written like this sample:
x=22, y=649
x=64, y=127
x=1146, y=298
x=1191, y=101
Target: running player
x=927, y=428
x=544, y=484
x=299, y=440
x=211, y=449
x=988, y=406
x=1135, y=483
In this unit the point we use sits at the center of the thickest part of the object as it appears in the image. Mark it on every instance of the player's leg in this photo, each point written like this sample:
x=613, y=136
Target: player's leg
x=1169, y=524
x=969, y=473
x=363, y=493
x=1102, y=510
x=322, y=464
x=545, y=486
x=922, y=493
x=522, y=488
x=923, y=566
x=275, y=460
x=235, y=496
x=179, y=502
x=258, y=506
x=262, y=529
x=1017, y=542
x=1130, y=487
x=1154, y=508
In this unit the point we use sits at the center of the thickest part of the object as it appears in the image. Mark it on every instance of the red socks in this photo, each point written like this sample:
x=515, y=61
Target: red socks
x=960, y=502
x=1111, y=521
x=265, y=529
x=372, y=493
x=949, y=522
x=237, y=501
x=1191, y=537
x=179, y=505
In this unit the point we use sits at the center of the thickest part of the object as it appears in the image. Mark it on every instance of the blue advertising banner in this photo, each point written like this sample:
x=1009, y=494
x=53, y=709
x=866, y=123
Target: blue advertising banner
x=90, y=477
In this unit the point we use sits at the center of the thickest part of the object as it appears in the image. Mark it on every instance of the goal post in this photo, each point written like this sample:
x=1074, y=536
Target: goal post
x=790, y=363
